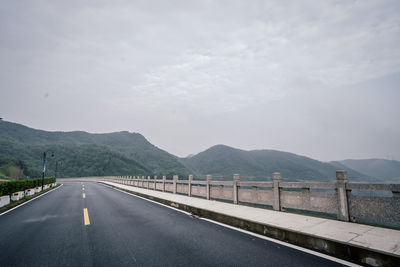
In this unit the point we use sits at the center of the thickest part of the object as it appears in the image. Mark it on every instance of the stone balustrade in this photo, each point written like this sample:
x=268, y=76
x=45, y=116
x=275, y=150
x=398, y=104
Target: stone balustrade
x=372, y=203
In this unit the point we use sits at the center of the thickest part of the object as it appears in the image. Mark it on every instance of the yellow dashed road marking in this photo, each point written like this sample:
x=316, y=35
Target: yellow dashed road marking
x=84, y=195
x=86, y=216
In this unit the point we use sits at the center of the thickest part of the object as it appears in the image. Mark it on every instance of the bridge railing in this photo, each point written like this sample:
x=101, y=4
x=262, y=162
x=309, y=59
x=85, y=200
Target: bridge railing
x=371, y=203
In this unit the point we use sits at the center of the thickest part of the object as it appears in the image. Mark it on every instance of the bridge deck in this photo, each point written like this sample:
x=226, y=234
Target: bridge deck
x=381, y=240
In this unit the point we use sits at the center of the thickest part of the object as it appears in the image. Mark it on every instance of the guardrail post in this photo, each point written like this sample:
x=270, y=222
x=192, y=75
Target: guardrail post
x=277, y=191
x=343, y=208
x=164, y=178
x=209, y=178
x=155, y=182
x=175, y=180
x=190, y=185
x=236, y=179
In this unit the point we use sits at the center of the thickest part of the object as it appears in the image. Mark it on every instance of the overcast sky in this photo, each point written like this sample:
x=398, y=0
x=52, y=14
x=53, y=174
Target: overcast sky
x=316, y=78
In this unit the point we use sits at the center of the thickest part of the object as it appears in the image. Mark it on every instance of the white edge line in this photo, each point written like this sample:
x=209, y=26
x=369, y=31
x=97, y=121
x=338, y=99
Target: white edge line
x=284, y=243
x=20, y=205
x=181, y=211
x=309, y=251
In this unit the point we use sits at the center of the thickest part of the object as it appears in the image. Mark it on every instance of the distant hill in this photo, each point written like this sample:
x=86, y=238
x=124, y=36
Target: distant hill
x=380, y=169
x=119, y=153
x=124, y=153
x=223, y=161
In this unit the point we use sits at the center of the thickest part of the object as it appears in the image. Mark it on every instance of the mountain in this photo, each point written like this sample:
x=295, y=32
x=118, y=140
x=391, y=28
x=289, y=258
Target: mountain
x=380, y=169
x=82, y=153
x=222, y=161
x=123, y=153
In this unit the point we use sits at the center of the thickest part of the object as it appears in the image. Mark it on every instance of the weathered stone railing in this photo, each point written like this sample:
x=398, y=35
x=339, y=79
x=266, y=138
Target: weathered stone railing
x=356, y=202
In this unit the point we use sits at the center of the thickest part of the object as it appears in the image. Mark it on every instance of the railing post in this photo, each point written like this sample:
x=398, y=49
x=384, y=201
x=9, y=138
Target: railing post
x=142, y=181
x=236, y=179
x=155, y=182
x=175, y=180
x=343, y=208
x=277, y=192
x=209, y=178
x=164, y=178
x=148, y=182
x=190, y=185
x=305, y=195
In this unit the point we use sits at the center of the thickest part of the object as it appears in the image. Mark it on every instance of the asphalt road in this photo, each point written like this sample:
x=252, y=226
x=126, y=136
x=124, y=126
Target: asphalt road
x=126, y=230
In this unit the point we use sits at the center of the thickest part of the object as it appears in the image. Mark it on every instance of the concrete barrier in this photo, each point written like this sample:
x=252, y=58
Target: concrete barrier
x=4, y=200
x=38, y=189
x=17, y=195
x=30, y=192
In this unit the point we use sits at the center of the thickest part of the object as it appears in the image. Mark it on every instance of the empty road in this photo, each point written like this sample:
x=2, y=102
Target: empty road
x=89, y=224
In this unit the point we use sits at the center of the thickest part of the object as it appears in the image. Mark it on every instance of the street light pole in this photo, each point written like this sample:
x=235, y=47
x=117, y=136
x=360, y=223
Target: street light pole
x=44, y=167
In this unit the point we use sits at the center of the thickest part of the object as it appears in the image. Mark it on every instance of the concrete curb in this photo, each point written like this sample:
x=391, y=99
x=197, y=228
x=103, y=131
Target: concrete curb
x=337, y=249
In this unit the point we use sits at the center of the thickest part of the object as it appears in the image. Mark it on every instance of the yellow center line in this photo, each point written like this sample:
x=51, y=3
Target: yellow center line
x=86, y=216
x=84, y=195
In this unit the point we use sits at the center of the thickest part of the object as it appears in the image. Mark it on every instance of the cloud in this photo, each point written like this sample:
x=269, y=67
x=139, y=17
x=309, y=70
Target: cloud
x=179, y=65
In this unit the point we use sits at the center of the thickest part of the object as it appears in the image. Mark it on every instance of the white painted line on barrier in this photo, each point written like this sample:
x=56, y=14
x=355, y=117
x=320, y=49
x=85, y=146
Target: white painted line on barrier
x=309, y=251
x=7, y=211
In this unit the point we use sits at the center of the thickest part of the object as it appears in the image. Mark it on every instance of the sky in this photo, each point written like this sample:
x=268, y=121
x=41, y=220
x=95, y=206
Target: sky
x=315, y=78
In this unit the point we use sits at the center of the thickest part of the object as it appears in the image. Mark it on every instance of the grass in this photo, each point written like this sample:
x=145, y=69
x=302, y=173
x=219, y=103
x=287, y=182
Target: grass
x=24, y=199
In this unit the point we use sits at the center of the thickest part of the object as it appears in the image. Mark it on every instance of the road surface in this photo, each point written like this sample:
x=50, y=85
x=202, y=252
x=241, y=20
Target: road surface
x=89, y=224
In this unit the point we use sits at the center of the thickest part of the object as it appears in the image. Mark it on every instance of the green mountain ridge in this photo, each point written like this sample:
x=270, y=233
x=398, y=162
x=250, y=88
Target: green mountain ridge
x=123, y=153
x=118, y=153
x=222, y=161
x=381, y=169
